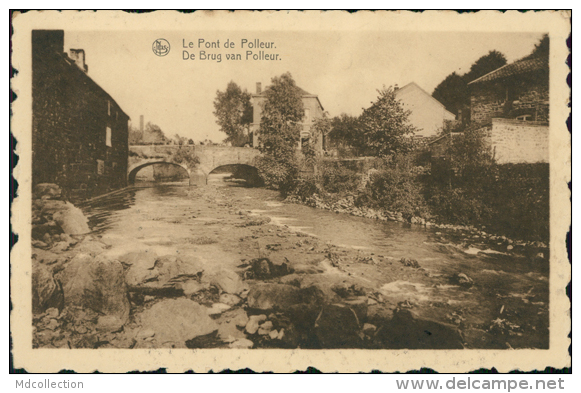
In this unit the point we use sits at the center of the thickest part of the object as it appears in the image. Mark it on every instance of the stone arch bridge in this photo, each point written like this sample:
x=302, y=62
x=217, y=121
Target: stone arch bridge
x=211, y=158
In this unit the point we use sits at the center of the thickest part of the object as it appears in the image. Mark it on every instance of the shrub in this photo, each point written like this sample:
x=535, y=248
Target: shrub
x=395, y=190
x=336, y=178
x=304, y=187
x=456, y=206
x=277, y=174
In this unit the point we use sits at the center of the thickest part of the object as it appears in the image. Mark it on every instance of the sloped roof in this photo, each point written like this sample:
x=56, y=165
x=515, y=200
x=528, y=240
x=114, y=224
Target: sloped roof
x=73, y=66
x=414, y=84
x=516, y=68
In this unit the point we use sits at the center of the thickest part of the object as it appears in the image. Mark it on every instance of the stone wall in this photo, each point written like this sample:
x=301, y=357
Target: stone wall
x=514, y=141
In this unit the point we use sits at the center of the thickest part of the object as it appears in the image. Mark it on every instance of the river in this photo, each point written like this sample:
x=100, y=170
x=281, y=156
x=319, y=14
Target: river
x=510, y=292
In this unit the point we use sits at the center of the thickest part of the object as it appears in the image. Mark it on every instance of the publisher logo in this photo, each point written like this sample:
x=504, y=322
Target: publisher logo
x=160, y=47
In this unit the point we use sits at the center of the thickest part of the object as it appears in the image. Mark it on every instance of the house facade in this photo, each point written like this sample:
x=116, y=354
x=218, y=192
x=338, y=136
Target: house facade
x=313, y=110
x=511, y=104
x=80, y=134
x=428, y=115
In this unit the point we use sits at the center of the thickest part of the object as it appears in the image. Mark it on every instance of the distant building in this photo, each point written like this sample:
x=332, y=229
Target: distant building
x=80, y=134
x=428, y=115
x=313, y=110
x=511, y=104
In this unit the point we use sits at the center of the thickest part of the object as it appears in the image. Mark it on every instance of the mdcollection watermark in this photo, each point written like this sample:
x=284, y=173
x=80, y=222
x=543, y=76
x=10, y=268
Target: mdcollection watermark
x=48, y=384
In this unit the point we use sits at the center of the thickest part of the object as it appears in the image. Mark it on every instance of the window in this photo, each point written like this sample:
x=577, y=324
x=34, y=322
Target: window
x=108, y=108
x=307, y=115
x=100, y=167
x=108, y=137
x=524, y=117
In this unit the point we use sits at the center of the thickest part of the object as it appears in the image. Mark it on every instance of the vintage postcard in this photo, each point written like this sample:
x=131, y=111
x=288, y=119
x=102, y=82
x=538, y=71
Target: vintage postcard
x=282, y=190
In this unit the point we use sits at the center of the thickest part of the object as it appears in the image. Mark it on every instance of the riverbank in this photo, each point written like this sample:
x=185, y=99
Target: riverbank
x=208, y=267
x=346, y=205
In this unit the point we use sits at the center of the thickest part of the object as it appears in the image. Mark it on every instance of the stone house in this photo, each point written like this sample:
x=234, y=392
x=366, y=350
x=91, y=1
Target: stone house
x=79, y=134
x=313, y=110
x=428, y=115
x=511, y=104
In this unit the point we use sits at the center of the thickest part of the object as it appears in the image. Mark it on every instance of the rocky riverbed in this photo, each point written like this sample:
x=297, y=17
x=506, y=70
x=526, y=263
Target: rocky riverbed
x=232, y=278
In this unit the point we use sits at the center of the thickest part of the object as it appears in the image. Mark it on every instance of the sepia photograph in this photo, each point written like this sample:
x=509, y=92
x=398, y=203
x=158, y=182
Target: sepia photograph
x=244, y=186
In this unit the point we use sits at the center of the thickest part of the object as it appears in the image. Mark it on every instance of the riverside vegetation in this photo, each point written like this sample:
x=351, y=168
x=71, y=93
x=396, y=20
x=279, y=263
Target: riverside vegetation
x=398, y=180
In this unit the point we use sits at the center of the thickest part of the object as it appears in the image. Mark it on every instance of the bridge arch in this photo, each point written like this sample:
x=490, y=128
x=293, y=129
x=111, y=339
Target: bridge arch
x=133, y=170
x=245, y=171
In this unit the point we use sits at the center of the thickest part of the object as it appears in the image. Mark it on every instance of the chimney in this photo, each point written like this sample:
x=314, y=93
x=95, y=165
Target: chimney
x=258, y=87
x=78, y=55
x=48, y=41
x=141, y=123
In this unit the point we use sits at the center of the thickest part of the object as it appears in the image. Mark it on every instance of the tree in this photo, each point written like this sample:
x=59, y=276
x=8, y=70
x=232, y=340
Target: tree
x=153, y=134
x=180, y=140
x=233, y=112
x=280, y=128
x=385, y=125
x=453, y=91
x=488, y=63
x=346, y=133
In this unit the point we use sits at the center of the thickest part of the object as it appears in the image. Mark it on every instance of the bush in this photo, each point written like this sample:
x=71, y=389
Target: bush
x=521, y=201
x=336, y=178
x=304, y=187
x=395, y=190
x=277, y=174
x=455, y=206
x=511, y=200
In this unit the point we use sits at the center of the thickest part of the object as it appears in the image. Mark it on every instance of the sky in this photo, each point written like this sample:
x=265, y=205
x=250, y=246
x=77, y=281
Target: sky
x=344, y=69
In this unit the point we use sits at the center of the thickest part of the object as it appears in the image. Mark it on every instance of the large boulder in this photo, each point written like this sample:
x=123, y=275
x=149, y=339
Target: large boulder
x=97, y=284
x=91, y=246
x=337, y=326
x=226, y=281
x=145, y=259
x=177, y=321
x=46, y=291
x=44, y=257
x=407, y=330
x=270, y=296
x=72, y=220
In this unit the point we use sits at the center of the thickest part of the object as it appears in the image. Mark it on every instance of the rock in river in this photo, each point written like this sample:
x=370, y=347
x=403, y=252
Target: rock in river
x=227, y=281
x=96, y=283
x=267, y=296
x=178, y=320
x=46, y=291
x=72, y=220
